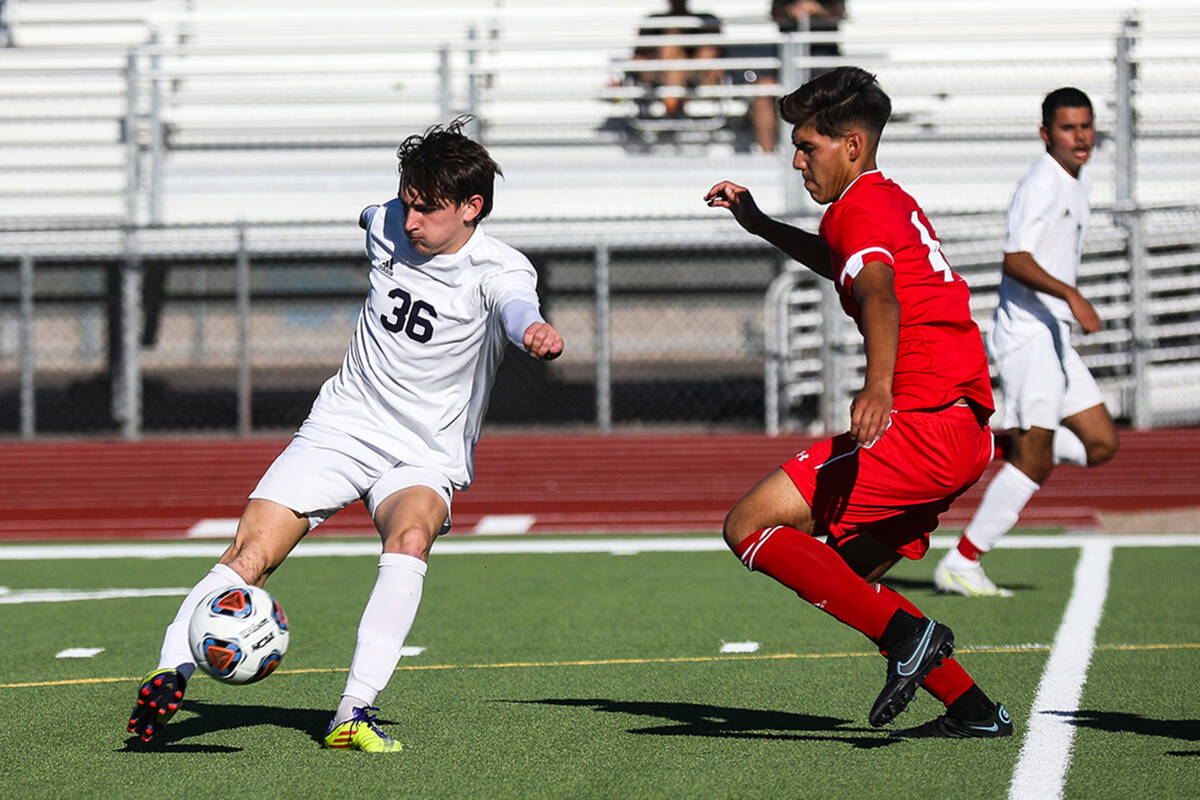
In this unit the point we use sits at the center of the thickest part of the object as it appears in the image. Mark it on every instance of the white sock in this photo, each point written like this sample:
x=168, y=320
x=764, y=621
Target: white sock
x=345, y=709
x=385, y=624
x=1068, y=448
x=1006, y=495
x=175, y=653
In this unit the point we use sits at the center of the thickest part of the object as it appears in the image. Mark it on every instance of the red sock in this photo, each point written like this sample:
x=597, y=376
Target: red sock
x=968, y=549
x=818, y=574
x=948, y=680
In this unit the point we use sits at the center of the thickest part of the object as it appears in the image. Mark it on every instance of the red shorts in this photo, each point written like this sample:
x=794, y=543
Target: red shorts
x=895, y=490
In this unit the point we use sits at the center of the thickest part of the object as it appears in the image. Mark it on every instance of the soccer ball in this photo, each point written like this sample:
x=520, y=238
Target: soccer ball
x=238, y=634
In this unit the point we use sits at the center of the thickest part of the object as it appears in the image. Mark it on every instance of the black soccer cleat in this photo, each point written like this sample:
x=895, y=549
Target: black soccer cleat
x=158, y=698
x=909, y=663
x=995, y=725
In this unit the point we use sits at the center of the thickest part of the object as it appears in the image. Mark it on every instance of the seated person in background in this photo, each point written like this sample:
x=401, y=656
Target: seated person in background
x=678, y=77
x=797, y=15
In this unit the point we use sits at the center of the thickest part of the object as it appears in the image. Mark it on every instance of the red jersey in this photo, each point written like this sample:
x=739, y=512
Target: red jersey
x=940, y=357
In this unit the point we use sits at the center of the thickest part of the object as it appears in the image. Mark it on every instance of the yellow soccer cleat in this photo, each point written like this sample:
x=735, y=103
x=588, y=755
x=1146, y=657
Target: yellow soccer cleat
x=361, y=733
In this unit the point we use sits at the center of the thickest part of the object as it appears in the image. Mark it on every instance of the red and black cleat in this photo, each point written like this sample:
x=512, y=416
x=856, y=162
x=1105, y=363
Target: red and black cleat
x=158, y=698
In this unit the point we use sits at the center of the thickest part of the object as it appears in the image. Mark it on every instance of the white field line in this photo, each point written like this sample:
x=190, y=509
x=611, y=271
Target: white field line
x=11, y=597
x=468, y=545
x=1041, y=769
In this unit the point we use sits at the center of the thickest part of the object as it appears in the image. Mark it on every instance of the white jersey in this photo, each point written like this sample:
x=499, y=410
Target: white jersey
x=1047, y=218
x=416, y=379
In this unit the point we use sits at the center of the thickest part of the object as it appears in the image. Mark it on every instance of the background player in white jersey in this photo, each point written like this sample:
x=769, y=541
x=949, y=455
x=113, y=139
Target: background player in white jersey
x=1051, y=401
x=396, y=426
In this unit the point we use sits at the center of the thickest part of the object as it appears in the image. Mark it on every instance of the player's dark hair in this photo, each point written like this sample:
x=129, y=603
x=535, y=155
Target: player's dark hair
x=1066, y=97
x=835, y=101
x=443, y=165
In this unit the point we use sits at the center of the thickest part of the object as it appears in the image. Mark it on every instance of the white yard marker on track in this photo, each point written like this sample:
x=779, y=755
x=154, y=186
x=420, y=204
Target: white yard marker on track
x=1041, y=770
x=223, y=528
x=504, y=524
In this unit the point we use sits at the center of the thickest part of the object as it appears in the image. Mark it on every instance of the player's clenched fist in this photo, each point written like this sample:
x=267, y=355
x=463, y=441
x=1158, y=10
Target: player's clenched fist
x=542, y=341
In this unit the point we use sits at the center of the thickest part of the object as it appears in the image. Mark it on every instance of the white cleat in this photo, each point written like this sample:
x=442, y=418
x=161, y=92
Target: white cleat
x=971, y=581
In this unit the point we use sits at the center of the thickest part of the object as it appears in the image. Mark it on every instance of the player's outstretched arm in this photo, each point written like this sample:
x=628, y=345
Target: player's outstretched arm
x=807, y=248
x=542, y=341
x=1022, y=267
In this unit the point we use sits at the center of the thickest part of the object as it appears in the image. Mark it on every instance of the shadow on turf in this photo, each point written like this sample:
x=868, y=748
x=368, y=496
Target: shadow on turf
x=214, y=717
x=909, y=586
x=1187, y=730
x=694, y=719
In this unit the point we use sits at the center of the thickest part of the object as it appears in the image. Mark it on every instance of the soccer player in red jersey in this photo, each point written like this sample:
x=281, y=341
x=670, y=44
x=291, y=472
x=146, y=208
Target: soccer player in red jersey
x=918, y=433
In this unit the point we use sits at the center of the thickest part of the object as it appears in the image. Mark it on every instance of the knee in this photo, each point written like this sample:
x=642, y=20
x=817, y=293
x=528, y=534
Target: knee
x=415, y=541
x=1103, y=451
x=736, y=528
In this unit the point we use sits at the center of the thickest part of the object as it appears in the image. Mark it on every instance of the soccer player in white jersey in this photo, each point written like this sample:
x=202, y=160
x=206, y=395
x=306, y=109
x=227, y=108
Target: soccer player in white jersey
x=1051, y=402
x=396, y=426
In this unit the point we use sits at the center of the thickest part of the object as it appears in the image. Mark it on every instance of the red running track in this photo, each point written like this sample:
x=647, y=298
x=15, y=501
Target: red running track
x=568, y=483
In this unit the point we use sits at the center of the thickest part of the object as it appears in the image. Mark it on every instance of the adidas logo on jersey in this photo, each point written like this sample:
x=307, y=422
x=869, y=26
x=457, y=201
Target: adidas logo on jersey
x=385, y=266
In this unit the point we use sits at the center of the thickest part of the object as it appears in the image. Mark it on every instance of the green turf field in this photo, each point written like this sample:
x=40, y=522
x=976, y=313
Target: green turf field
x=594, y=675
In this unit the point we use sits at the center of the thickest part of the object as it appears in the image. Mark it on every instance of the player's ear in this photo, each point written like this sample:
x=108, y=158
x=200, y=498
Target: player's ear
x=472, y=207
x=856, y=144
x=1045, y=134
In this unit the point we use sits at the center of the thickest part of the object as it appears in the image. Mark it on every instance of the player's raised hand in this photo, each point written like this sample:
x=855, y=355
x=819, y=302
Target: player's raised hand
x=870, y=414
x=738, y=200
x=542, y=341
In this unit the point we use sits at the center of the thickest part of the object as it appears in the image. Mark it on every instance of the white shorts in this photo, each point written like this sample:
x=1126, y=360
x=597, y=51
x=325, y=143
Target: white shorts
x=1043, y=379
x=324, y=470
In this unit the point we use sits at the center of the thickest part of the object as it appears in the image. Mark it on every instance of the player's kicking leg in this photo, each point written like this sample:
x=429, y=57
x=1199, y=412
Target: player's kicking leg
x=158, y=698
x=161, y=692
x=265, y=535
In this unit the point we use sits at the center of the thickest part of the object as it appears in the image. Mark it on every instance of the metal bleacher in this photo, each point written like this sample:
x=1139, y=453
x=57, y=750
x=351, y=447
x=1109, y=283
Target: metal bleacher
x=248, y=112
x=184, y=118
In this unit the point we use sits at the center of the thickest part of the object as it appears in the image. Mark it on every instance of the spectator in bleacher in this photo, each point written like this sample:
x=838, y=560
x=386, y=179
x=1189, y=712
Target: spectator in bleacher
x=1052, y=405
x=397, y=425
x=918, y=433
x=821, y=16
x=678, y=20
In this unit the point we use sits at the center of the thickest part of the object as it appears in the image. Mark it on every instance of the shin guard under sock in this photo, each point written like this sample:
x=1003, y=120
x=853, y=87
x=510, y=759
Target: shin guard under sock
x=818, y=574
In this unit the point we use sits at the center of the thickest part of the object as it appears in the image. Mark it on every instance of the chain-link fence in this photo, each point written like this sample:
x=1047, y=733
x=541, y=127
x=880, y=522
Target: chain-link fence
x=203, y=329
